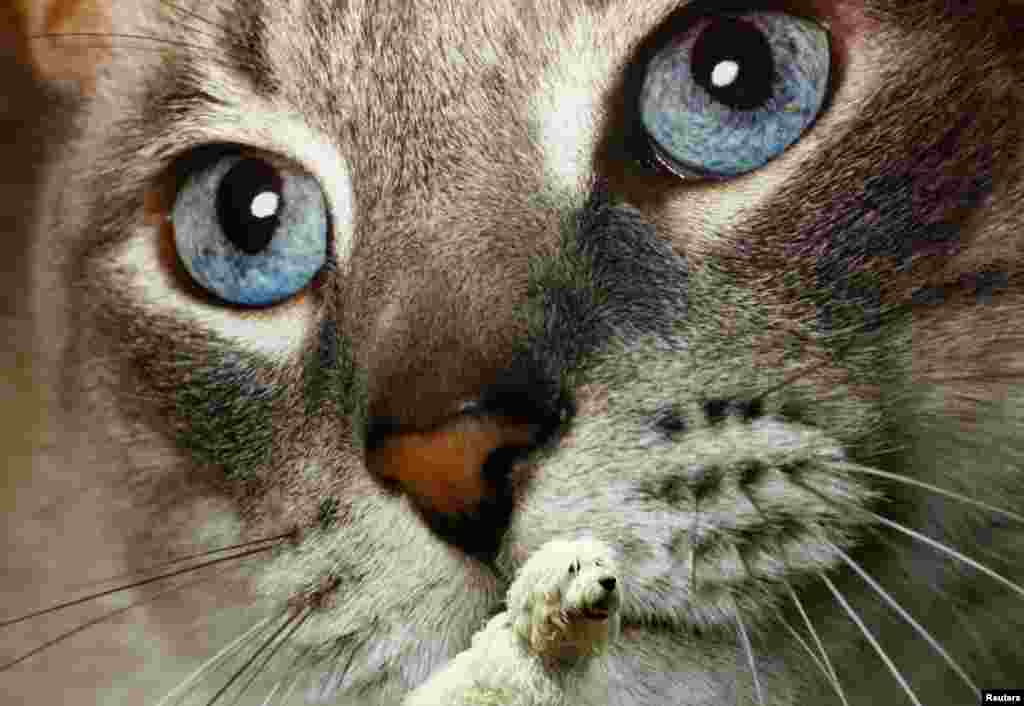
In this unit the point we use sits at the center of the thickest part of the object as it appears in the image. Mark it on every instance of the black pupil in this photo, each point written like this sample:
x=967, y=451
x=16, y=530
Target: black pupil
x=732, y=61
x=248, y=204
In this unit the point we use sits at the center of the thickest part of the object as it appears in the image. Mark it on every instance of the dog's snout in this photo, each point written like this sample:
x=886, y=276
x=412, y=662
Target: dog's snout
x=608, y=583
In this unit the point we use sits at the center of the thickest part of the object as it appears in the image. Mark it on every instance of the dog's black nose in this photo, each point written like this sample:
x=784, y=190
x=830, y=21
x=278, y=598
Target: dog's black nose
x=608, y=584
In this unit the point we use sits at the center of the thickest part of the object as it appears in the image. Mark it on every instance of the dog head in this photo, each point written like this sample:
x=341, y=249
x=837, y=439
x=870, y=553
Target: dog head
x=565, y=600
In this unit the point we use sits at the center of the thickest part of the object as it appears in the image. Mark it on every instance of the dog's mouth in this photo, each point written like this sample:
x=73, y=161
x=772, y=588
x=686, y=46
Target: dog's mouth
x=600, y=610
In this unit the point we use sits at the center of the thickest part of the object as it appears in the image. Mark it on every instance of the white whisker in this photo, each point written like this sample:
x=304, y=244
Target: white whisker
x=913, y=623
x=831, y=671
x=856, y=468
x=299, y=620
x=826, y=665
x=291, y=689
x=949, y=551
x=807, y=648
x=693, y=550
x=334, y=679
x=745, y=640
x=292, y=678
x=273, y=692
x=289, y=620
x=209, y=664
x=871, y=638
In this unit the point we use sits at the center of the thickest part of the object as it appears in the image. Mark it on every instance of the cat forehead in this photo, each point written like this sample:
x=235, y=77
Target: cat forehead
x=395, y=76
x=276, y=44
x=423, y=44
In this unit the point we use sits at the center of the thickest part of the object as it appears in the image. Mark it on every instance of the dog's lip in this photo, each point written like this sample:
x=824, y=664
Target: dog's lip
x=600, y=610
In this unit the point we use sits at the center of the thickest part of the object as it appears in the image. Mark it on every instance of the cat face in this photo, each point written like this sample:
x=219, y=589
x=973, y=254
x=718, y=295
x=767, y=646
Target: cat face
x=338, y=311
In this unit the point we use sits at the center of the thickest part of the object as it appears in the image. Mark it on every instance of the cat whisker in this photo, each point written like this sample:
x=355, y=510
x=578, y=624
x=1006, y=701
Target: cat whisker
x=298, y=621
x=693, y=549
x=945, y=549
x=273, y=692
x=830, y=669
x=96, y=621
x=292, y=679
x=334, y=679
x=297, y=617
x=939, y=546
x=894, y=604
x=856, y=468
x=190, y=557
x=810, y=653
x=825, y=664
x=175, y=7
x=871, y=639
x=222, y=654
x=741, y=630
x=798, y=375
x=121, y=35
x=158, y=42
x=134, y=584
x=187, y=28
x=329, y=676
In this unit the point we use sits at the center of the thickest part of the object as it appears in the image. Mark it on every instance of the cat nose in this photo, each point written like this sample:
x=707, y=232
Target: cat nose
x=443, y=469
x=608, y=583
x=456, y=474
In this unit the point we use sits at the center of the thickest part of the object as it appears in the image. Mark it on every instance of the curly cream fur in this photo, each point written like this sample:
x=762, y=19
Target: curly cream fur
x=544, y=650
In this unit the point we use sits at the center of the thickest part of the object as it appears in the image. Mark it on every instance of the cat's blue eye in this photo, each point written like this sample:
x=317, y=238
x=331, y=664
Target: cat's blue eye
x=249, y=232
x=733, y=92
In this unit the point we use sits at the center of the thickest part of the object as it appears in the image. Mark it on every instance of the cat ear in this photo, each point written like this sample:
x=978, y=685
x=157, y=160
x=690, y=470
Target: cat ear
x=29, y=25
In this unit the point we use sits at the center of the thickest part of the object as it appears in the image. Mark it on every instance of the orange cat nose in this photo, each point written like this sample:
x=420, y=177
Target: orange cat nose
x=442, y=469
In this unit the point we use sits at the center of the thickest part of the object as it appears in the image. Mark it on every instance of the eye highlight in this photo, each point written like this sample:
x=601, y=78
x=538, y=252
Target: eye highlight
x=248, y=231
x=733, y=91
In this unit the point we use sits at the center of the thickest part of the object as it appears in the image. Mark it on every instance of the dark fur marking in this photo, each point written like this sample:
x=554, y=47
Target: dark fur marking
x=671, y=490
x=330, y=374
x=750, y=472
x=669, y=421
x=916, y=210
x=985, y=285
x=715, y=411
x=793, y=468
x=613, y=275
x=327, y=513
x=704, y=481
x=225, y=415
